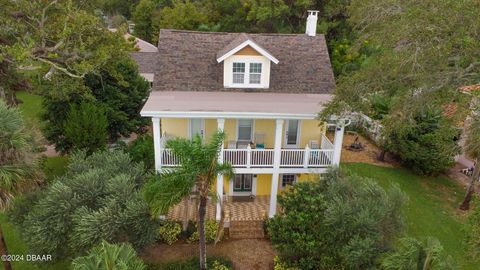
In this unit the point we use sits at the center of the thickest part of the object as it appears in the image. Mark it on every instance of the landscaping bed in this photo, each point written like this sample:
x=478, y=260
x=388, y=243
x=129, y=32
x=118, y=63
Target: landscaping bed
x=244, y=253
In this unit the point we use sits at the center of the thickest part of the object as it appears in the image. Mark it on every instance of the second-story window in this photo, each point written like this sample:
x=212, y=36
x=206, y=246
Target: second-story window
x=255, y=73
x=238, y=72
x=245, y=127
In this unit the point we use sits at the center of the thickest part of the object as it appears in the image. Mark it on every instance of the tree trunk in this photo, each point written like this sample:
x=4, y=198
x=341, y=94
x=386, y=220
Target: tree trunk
x=186, y=214
x=471, y=187
x=4, y=251
x=381, y=156
x=202, y=209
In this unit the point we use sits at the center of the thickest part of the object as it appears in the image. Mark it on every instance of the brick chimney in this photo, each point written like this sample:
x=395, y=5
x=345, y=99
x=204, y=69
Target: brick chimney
x=311, y=29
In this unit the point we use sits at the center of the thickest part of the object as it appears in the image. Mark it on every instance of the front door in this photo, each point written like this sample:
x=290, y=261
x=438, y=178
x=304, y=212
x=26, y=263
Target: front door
x=242, y=183
x=292, y=129
x=197, y=126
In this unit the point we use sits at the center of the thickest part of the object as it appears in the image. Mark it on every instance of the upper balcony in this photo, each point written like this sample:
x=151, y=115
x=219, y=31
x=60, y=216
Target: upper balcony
x=258, y=160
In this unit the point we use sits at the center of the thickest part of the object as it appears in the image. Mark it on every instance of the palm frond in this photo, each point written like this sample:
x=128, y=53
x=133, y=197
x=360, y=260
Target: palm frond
x=165, y=190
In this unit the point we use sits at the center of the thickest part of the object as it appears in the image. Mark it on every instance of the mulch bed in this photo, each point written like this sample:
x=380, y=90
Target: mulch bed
x=246, y=254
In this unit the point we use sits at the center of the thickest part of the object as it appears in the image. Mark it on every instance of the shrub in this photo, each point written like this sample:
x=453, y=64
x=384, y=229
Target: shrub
x=86, y=127
x=141, y=150
x=97, y=199
x=423, y=140
x=341, y=221
x=279, y=265
x=169, y=232
x=216, y=265
x=117, y=87
x=211, y=228
x=109, y=256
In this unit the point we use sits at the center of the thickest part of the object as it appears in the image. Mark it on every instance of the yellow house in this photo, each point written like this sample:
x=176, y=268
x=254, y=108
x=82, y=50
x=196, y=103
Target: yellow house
x=263, y=90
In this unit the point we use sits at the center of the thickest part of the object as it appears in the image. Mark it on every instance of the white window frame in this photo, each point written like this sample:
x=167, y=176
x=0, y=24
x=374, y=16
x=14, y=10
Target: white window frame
x=247, y=59
x=252, y=130
x=244, y=72
x=250, y=73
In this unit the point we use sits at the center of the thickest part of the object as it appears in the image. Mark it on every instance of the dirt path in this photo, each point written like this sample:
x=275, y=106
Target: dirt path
x=246, y=254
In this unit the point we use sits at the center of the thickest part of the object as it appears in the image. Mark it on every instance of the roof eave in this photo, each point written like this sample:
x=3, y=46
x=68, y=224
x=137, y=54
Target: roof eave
x=234, y=115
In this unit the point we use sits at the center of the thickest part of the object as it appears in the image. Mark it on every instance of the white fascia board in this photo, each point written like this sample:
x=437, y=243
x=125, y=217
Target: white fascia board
x=231, y=115
x=251, y=44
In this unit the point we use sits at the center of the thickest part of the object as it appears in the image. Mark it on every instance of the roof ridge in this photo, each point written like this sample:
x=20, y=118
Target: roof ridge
x=232, y=33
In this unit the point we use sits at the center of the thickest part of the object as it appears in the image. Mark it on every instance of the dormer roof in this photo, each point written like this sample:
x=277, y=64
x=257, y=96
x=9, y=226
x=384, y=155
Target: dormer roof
x=241, y=41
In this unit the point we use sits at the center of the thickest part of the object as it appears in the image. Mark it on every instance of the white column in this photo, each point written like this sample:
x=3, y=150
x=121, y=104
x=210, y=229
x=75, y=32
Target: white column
x=276, y=166
x=337, y=142
x=220, y=126
x=157, y=143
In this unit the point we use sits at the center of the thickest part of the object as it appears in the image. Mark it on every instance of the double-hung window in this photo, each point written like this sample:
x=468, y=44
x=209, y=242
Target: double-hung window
x=247, y=73
x=238, y=73
x=255, y=73
x=245, y=127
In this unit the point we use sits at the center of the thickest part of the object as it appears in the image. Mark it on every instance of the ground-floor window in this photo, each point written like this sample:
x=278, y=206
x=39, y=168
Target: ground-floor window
x=242, y=183
x=288, y=179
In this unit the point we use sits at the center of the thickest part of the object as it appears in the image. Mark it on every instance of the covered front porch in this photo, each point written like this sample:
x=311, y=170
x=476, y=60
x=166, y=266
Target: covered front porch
x=236, y=208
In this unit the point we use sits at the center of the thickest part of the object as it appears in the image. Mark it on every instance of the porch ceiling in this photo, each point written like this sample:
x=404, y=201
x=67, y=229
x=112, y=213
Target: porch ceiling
x=191, y=104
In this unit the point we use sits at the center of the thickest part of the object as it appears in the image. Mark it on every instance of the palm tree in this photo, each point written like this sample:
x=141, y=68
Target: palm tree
x=109, y=256
x=413, y=254
x=198, y=168
x=16, y=172
x=472, y=148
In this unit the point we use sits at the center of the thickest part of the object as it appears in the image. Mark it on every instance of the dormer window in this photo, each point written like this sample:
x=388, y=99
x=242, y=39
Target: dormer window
x=255, y=73
x=245, y=64
x=245, y=73
x=238, y=73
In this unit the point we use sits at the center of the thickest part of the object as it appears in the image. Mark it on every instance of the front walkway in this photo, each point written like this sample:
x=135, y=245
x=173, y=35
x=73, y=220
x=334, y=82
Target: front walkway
x=239, y=209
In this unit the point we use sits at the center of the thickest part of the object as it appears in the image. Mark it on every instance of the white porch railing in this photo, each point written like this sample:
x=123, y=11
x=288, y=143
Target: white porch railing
x=326, y=143
x=263, y=158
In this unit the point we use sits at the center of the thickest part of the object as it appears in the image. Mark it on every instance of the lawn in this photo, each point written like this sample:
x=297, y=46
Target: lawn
x=431, y=209
x=31, y=106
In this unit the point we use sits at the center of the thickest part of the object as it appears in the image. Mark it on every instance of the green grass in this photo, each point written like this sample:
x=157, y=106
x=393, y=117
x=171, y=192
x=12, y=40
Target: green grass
x=31, y=106
x=16, y=246
x=431, y=209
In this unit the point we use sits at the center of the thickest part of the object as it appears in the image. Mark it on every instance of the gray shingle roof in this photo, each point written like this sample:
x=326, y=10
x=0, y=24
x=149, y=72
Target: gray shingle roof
x=147, y=61
x=186, y=61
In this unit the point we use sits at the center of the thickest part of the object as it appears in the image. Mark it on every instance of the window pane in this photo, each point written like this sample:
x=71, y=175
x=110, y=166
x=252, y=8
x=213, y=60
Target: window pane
x=238, y=181
x=247, y=181
x=255, y=73
x=255, y=78
x=238, y=67
x=238, y=77
x=288, y=179
x=245, y=129
x=255, y=67
x=292, y=131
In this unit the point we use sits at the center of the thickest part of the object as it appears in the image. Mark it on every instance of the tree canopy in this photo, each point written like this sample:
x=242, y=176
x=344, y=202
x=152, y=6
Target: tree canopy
x=425, y=48
x=97, y=199
x=340, y=221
